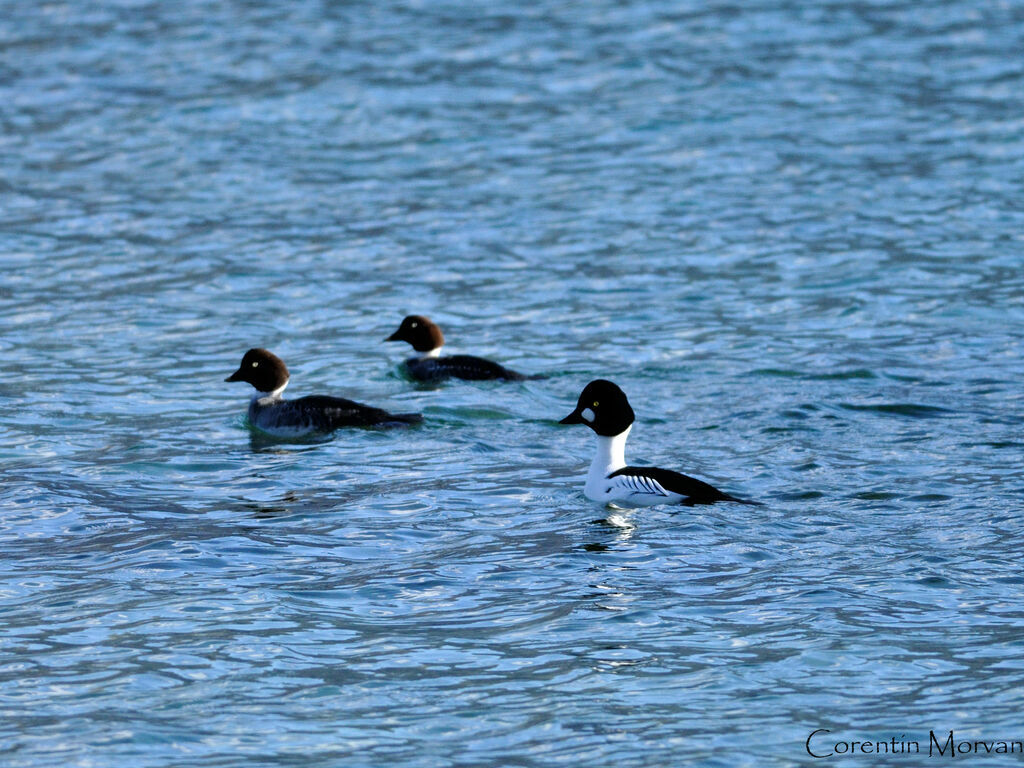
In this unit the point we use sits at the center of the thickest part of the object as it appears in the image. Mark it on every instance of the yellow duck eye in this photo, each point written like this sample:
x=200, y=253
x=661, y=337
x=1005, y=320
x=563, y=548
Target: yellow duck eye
x=255, y=363
x=596, y=403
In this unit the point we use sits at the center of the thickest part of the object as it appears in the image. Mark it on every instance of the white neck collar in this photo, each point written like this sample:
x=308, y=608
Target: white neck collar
x=274, y=395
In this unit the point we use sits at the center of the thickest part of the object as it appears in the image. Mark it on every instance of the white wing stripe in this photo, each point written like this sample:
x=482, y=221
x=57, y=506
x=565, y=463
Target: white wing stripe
x=638, y=484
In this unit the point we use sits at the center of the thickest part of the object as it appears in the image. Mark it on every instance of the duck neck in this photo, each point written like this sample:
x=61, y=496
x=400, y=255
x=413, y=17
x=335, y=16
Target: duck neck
x=265, y=398
x=610, y=456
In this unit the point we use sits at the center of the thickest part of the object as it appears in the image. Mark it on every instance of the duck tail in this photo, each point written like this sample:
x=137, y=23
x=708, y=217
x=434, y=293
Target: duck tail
x=749, y=502
x=405, y=418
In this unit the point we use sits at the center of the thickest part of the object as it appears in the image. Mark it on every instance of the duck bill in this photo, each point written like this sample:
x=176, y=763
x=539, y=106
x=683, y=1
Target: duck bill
x=573, y=418
x=394, y=337
x=236, y=376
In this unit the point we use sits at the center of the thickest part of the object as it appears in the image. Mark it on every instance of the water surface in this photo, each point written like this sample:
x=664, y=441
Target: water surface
x=791, y=232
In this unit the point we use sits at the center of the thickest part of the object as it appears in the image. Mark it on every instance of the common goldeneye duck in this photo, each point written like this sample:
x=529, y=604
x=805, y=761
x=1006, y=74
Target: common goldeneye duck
x=604, y=408
x=271, y=413
x=426, y=338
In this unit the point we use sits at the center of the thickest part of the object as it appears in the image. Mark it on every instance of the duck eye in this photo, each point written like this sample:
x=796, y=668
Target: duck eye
x=255, y=363
x=596, y=403
x=413, y=325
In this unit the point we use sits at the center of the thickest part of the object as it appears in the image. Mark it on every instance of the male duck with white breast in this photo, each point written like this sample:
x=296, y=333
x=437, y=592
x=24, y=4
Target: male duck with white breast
x=603, y=407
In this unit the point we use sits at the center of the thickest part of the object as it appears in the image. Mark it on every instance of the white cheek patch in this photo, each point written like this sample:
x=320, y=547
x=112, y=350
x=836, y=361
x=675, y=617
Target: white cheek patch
x=587, y=415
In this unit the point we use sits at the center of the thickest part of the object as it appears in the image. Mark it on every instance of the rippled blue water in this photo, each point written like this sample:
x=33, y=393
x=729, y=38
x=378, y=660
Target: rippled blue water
x=791, y=231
